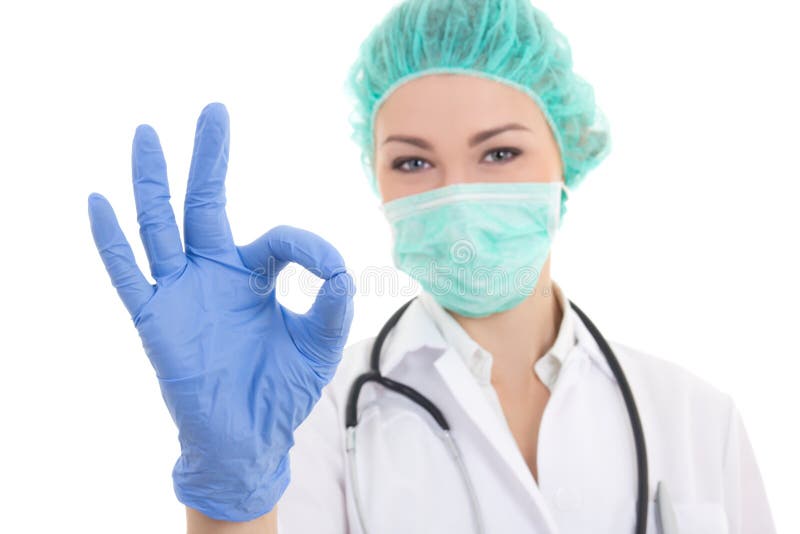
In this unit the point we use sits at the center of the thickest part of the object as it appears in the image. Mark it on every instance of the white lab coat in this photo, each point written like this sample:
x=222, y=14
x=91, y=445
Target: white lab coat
x=408, y=483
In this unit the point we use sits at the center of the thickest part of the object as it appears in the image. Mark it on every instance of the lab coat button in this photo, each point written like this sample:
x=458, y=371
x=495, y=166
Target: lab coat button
x=567, y=499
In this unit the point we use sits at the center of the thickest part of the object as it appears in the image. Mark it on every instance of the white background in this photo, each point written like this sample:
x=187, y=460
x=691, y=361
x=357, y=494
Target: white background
x=683, y=243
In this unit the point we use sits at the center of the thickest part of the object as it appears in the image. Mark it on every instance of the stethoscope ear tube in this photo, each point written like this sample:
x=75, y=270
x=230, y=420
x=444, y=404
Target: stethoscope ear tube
x=633, y=414
x=377, y=345
x=374, y=375
x=351, y=411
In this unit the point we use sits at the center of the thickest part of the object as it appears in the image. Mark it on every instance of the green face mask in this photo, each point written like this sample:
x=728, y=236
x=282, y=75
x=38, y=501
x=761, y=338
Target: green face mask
x=478, y=248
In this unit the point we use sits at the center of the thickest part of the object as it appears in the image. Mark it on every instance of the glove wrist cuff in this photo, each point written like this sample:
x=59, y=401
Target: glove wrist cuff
x=228, y=504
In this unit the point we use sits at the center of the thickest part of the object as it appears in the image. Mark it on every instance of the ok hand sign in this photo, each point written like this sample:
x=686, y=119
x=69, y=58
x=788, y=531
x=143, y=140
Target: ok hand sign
x=238, y=371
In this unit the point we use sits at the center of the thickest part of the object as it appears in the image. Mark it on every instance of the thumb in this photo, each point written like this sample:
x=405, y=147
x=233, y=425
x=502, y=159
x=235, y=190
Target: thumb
x=321, y=333
x=332, y=312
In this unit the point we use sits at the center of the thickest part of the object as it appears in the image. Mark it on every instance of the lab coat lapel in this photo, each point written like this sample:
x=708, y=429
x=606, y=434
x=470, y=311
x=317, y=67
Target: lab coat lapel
x=413, y=331
x=471, y=399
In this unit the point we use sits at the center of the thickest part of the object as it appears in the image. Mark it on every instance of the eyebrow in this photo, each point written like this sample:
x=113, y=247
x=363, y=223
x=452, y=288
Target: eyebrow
x=476, y=139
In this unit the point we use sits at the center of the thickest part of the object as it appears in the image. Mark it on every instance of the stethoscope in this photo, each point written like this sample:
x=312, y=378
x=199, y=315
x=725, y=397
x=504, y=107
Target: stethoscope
x=666, y=517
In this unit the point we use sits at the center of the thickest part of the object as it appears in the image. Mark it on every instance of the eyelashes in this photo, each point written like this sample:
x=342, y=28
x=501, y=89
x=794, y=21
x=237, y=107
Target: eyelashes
x=400, y=163
x=513, y=151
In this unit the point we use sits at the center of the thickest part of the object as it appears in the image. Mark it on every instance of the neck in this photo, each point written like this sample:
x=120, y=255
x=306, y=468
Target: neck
x=518, y=337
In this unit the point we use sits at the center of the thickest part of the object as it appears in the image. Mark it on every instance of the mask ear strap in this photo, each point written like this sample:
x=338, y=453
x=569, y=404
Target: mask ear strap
x=566, y=190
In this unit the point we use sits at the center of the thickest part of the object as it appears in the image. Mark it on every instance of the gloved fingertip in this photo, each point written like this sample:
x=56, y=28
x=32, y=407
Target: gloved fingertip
x=216, y=108
x=331, y=263
x=343, y=283
x=330, y=270
x=214, y=113
x=100, y=210
x=95, y=199
x=145, y=141
x=144, y=130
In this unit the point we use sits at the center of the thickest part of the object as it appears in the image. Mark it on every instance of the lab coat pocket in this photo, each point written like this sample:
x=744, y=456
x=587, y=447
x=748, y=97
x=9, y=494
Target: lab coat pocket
x=701, y=518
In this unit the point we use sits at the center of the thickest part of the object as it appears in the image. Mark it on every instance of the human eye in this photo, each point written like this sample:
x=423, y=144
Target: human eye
x=510, y=153
x=401, y=164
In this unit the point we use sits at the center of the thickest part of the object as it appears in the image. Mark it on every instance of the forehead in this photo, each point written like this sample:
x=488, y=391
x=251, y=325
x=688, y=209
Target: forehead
x=452, y=102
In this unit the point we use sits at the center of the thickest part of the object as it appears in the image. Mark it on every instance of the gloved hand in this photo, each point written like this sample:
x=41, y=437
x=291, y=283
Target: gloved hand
x=238, y=371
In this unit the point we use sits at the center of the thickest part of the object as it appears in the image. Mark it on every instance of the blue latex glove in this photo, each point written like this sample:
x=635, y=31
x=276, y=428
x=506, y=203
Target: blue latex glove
x=238, y=371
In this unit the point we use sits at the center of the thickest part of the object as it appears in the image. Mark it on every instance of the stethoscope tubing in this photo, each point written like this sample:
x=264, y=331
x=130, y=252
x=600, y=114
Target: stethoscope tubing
x=633, y=414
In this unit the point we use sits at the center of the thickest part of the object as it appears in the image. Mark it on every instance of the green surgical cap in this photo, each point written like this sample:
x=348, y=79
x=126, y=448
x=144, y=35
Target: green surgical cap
x=509, y=41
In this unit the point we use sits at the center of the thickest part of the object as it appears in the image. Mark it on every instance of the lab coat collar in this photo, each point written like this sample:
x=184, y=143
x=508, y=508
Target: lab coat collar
x=477, y=359
x=589, y=345
x=413, y=331
x=416, y=329
x=565, y=339
x=474, y=354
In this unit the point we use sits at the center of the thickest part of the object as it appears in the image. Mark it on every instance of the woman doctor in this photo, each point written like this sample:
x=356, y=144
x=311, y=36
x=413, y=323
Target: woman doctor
x=520, y=416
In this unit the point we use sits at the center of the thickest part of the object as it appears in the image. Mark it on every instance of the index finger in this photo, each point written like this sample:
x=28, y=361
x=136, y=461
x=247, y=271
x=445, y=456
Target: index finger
x=205, y=222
